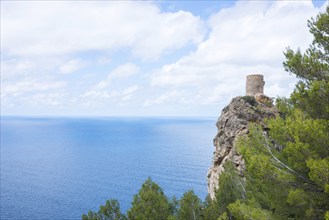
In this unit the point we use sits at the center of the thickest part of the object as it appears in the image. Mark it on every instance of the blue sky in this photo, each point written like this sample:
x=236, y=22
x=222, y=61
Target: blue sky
x=162, y=58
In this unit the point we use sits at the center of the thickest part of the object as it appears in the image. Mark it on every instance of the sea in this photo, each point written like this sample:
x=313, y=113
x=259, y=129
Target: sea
x=62, y=167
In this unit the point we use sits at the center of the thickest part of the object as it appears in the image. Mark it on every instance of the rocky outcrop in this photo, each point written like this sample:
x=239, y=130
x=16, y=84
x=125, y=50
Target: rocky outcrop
x=233, y=122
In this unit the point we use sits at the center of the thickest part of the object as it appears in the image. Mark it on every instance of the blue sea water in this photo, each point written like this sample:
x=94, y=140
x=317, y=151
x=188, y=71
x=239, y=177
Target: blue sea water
x=59, y=168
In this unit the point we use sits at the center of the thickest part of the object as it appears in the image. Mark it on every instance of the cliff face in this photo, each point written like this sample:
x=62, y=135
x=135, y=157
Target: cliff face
x=233, y=122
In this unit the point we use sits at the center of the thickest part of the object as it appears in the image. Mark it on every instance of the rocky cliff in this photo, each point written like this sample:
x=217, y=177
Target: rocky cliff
x=233, y=122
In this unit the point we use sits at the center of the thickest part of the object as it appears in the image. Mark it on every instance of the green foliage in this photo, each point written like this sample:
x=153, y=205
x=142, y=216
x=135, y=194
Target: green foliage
x=319, y=172
x=223, y=216
x=110, y=211
x=302, y=138
x=190, y=207
x=249, y=211
x=290, y=182
x=298, y=198
x=312, y=68
x=284, y=106
x=211, y=210
x=262, y=172
x=312, y=98
x=230, y=188
x=268, y=102
x=150, y=203
x=303, y=131
x=250, y=99
x=174, y=206
x=90, y=216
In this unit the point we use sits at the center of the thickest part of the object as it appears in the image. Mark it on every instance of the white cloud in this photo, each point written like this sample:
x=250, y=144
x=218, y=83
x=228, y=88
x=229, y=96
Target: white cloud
x=12, y=67
x=71, y=66
x=276, y=90
x=97, y=94
x=96, y=99
x=22, y=87
x=220, y=93
x=52, y=99
x=169, y=97
x=118, y=43
x=59, y=28
x=104, y=60
x=128, y=92
x=31, y=92
x=122, y=71
x=247, y=38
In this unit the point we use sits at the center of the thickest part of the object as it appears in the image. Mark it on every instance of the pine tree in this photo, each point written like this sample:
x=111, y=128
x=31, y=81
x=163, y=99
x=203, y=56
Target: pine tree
x=150, y=203
x=110, y=211
x=190, y=207
x=312, y=68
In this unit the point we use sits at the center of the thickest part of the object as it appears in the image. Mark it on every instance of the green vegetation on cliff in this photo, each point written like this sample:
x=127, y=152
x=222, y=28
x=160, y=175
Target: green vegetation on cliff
x=286, y=172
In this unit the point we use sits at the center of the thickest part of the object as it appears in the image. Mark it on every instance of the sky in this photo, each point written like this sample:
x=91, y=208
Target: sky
x=145, y=58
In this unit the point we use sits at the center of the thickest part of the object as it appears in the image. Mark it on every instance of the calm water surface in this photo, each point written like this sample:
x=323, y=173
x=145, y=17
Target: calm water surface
x=59, y=168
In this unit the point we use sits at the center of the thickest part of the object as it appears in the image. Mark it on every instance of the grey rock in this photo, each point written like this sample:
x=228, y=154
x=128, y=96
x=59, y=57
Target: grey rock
x=234, y=122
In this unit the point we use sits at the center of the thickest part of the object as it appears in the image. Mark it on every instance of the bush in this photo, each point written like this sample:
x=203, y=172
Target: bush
x=250, y=99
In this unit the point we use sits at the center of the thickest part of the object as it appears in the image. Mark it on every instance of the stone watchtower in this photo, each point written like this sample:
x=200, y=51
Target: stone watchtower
x=255, y=85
